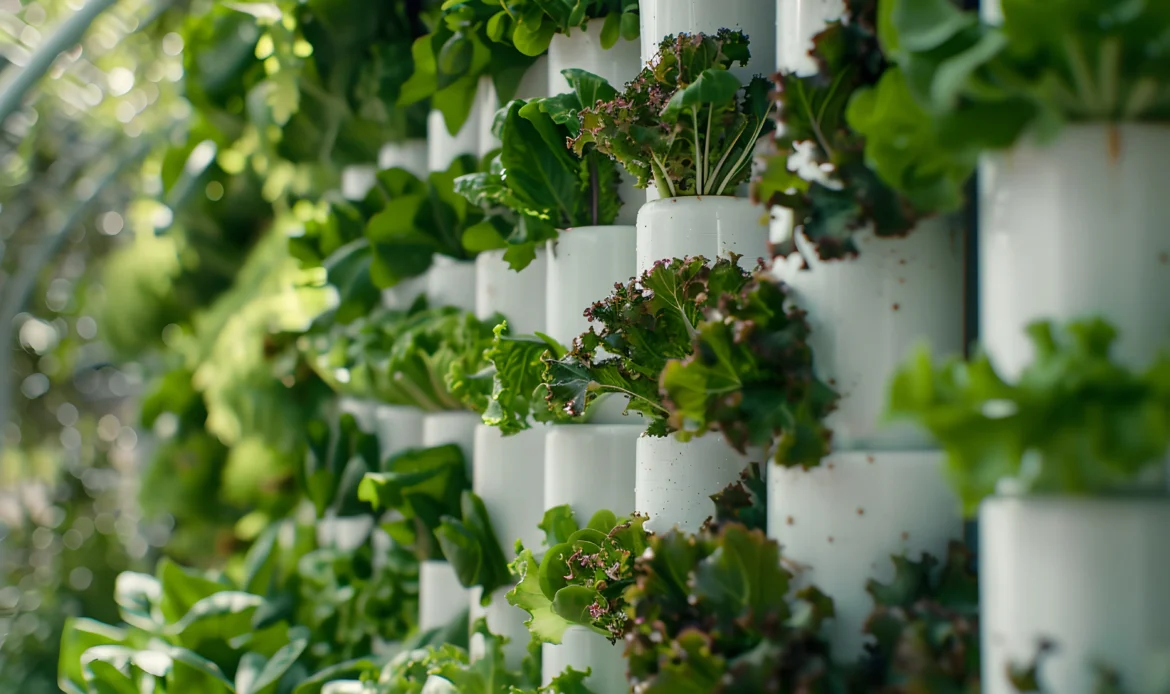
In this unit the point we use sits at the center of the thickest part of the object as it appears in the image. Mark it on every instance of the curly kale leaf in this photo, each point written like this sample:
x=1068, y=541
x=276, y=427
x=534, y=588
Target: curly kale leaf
x=751, y=376
x=711, y=613
x=686, y=123
x=1074, y=422
x=643, y=325
x=518, y=384
x=744, y=502
x=582, y=577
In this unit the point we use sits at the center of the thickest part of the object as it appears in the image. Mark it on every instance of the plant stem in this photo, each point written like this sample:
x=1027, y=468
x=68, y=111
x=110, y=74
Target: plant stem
x=698, y=154
x=730, y=148
x=1081, y=76
x=665, y=187
x=594, y=194
x=746, y=156
x=707, y=149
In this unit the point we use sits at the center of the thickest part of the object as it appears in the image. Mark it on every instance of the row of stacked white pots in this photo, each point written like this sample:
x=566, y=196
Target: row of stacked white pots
x=1072, y=230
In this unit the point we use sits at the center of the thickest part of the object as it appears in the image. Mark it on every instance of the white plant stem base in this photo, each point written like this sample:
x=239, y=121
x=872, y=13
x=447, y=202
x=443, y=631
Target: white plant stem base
x=583, y=649
x=591, y=467
x=842, y=521
x=868, y=313
x=509, y=477
x=710, y=226
x=519, y=296
x=584, y=264
x=451, y=283
x=1089, y=574
x=441, y=598
x=1077, y=229
x=675, y=480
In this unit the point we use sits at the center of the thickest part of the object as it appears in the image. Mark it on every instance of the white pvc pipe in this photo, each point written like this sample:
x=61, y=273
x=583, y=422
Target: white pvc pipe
x=582, y=649
x=443, y=147
x=591, y=467
x=581, y=49
x=364, y=411
x=357, y=180
x=711, y=226
x=410, y=155
x=402, y=295
x=1077, y=229
x=533, y=85
x=398, y=427
x=797, y=22
x=756, y=18
x=503, y=620
x=519, y=296
x=843, y=520
x=509, y=477
x=451, y=283
x=1089, y=574
x=675, y=480
x=441, y=598
x=440, y=428
x=867, y=315
x=584, y=264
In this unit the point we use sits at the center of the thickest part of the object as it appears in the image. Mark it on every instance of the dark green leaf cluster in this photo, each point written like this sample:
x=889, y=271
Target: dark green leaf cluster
x=1074, y=422
x=538, y=179
x=925, y=626
x=744, y=502
x=449, y=61
x=582, y=578
x=985, y=87
x=685, y=122
x=294, y=609
x=712, y=614
x=469, y=543
x=416, y=220
x=750, y=376
x=421, y=485
x=339, y=456
x=531, y=24
x=831, y=188
x=403, y=359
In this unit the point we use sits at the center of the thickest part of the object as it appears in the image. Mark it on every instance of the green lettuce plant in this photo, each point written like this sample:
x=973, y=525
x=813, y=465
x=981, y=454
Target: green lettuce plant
x=1074, y=422
x=821, y=169
x=402, y=358
x=685, y=122
x=990, y=87
x=582, y=578
x=531, y=24
x=545, y=186
x=417, y=220
x=449, y=61
x=437, y=514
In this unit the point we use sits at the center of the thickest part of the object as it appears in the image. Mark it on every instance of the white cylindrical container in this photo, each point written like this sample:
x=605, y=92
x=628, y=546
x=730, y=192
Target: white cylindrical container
x=503, y=619
x=584, y=264
x=797, y=22
x=451, y=282
x=509, y=477
x=456, y=427
x=843, y=520
x=674, y=481
x=1091, y=575
x=1076, y=229
x=357, y=180
x=868, y=313
x=519, y=296
x=344, y=533
x=756, y=18
x=410, y=155
x=443, y=147
x=710, y=226
x=364, y=411
x=398, y=427
x=581, y=49
x=441, y=598
x=582, y=649
x=533, y=85
x=591, y=467
x=402, y=295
